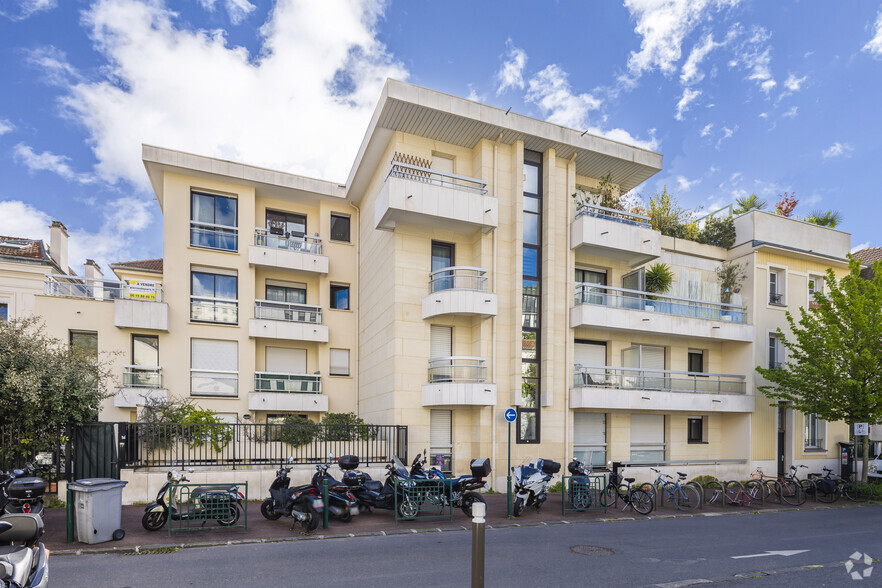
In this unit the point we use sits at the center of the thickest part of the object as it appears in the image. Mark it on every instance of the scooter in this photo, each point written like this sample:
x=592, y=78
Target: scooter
x=219, y=503
x=24, y=561
x=375, y=494
x=461, y=488
x=302, y=503
x=580, y=484
x=341, y=503
x=531, y=484
x=22, y=491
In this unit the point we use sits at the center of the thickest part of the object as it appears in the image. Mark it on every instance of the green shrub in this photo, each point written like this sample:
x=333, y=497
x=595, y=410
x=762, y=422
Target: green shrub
x=704, y=479
x=719, y=232
x=557, y=487
x=297, y=430
x=202, y=425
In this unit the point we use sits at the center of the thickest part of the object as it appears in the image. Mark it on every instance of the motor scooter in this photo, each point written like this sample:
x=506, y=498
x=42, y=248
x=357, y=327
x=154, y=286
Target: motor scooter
x=375, y=494
x=24, y=561
x=22, y=491
x=461, y=489
x=341, y=502
x=531, y=484
x=221, y=503
x=302, y=503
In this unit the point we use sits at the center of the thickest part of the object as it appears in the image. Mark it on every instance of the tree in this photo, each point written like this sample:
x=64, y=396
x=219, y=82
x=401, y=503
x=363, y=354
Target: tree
x=667, y=217
x=834, y=363
x=719, y=232
x=826, y=218
x=749, y=203
x=786, y=204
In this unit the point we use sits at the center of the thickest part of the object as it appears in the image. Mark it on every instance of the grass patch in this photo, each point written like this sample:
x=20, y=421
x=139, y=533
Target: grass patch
x=557, y=487
x=155, y=551
x=52, y=501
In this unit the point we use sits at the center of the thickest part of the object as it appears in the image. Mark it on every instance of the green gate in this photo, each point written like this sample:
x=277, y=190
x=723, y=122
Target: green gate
x=582, y=493
x=423, y=499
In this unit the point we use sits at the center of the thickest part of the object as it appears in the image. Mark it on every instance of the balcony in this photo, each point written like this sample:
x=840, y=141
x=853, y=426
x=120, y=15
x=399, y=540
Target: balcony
x=458, y=381
x=137, y=304
x=614, y=234
x=212, y=236
x=609, y=387
x=287, y=252
x=421, y=196
x=140, y=384
x=205, y=309
x=288, y=392
x=637, y=311
x=291, y=322
x=459, y=290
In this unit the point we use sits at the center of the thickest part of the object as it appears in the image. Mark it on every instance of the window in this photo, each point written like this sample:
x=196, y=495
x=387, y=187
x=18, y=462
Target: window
x=285, y=224
x=213, y=222
x=815, y=427
x=815, y=286
x=440, y=347
x=589, y=438
x=214, y=298
x=339, y=362
x=4, y=311
x=696, y=430
x=774, y=361
x=442, y=258
x=214, y=368
x=294, y=294
x=528, y=422
x=776, y=287
x=285, y=360
x=441, y=440
x=340, y=296
x=144, y=371
x=590, y=360
x=696, y=361
x=84, y=341
x=340, y=228
x=647, y=438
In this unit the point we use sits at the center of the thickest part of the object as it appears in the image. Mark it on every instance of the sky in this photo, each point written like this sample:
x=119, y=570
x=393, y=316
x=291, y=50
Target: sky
x=740, y=96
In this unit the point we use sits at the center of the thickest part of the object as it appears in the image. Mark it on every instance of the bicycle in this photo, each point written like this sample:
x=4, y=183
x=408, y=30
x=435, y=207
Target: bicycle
x=619, y=487
x=734, y=493
x=787, y=488
x=854, y=491
x=686, y=497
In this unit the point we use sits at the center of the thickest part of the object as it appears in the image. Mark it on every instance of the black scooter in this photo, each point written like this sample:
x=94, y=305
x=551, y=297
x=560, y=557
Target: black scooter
x=341, y=503
x=302, y=503
x=22, y=491
x=375, y=494
x=219, y=503
x=24, y=561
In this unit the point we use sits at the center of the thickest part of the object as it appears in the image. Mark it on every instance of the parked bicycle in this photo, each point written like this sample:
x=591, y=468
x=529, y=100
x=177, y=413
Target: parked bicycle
x=685, y=496
x=733, y=493
x=829, y=487
x=785, y=488
x=619, y=488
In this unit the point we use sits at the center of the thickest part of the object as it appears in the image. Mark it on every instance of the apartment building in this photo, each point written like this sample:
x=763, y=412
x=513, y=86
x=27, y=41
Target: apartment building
x=452, y=277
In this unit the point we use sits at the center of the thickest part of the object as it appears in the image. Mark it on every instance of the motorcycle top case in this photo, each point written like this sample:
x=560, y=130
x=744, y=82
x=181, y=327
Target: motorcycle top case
x=480, y=467
x=24, y=488
x=573, y=468
x=354, y=479
x=548, y=466
x=348, y=462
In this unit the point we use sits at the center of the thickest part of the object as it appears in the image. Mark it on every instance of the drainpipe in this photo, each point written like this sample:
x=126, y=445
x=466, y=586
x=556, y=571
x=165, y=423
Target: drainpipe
x=494, y=319
x=358, y=311
x=567, y=332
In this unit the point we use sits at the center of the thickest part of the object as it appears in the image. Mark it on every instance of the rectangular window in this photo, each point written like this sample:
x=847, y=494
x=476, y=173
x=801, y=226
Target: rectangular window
x=647, y=438
x=4, y=312
x=340, y=296
x=214, y=368
x=144, y=371
x=590, y=361
x=528, y=425
x=340, y=228
x=589, y=438
x=773, y=352
x=285, y=225
x=696, y=430
x=528, y=421
x=815, y=427
x=214, y=298
x=441, y=440
x=85, y=341
x=214, y=221
x=776, y=287
x=339, y=362
x=442, y=258
x=696, y=361
x=815, y=286
x=290, y=294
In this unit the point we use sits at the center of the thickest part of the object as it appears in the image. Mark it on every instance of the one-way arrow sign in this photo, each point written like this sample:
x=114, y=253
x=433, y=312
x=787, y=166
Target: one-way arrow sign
x=768, y=553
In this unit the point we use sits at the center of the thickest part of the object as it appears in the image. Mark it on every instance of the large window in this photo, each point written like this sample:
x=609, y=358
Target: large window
x=285, y=224
x=442, y=258
x=340, y=228
x=84, y=341
x=589, y=438
x=339, y=362
x=340, y=296
x=529, y=423
x=815, y=429
x=647, y=438
x=214, y=368
x=144, y=371
x=214, y=298
x=441, y=440
x=214, y=222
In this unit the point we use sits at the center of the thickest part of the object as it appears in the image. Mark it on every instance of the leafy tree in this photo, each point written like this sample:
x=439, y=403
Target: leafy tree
x=834, y=364
x=198, y=425
x=786, y=204
x=605, y=194
x=719, y=232
x=749, y=203
x=828, y=218
x=666, y=215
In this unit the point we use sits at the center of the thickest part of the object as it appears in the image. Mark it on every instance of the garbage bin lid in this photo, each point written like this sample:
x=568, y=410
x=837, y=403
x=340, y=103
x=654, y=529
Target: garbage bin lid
x=94, y=484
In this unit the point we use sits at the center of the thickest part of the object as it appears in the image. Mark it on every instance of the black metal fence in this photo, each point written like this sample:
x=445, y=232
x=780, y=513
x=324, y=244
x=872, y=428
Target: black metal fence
x=48, y=449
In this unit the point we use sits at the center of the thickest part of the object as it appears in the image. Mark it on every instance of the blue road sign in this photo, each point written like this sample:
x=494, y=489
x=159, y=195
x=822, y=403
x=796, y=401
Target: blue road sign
x=510, y=415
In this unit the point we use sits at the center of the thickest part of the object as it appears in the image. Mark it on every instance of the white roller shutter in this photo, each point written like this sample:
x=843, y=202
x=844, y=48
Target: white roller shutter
x=281, y=360
x=214, y=355
x=440, y=430
x=441, y=341
x=652, y=358
x=647, y=429
x=589, y=428
x=590, y=354
x=339, y=362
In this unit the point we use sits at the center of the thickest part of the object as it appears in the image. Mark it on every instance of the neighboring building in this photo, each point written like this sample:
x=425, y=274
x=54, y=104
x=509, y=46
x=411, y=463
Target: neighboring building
x=868, y=257
x=450, y=278
x=24, y=265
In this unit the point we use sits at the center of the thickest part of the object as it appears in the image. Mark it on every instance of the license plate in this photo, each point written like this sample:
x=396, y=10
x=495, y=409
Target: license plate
x=353, y=510
x=317, y=503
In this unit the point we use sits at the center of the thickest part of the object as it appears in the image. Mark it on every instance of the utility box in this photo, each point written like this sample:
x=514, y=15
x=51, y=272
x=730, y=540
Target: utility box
x=846, y=460
x=98, y=507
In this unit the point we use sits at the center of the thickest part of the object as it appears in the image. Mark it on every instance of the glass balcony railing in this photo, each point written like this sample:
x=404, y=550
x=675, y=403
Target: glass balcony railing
x=101, y=289
x=288, y=242
x=619, y=216
x=212, y=236
x=142, y=376
x=662, y=380
x=431, y=176
x=288, y=383
x=204, y=309
x=458, y=278
x=287, y=311
x=639, y=300
x=458, y=369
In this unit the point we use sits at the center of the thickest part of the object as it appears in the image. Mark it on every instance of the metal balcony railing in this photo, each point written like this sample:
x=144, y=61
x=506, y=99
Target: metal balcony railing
x=212, y=236
x=287, y=311
x=458, y=277
x=776, y=298
x=663, y=380
x=288, y=383
x=458, y=369
x=430, y=176
x=587, y=293
x=142, y=376
x=301, y=244
x=101, y=289
x=619, y=216
x=205, y=309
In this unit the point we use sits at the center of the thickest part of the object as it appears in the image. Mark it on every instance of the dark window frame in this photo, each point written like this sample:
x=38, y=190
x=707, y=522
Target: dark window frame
x=334, y=298
x=143, y=336
x=234, y=234
x=348, y=220
x=533, y=159
x=691, y=438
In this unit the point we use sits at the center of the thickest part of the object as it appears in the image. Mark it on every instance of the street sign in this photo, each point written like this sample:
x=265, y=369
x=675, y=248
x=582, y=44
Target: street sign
x=510, y=415
x=861, y=429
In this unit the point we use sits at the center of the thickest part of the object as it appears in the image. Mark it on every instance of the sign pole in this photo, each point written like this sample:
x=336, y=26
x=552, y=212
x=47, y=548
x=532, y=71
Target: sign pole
x=510, y=416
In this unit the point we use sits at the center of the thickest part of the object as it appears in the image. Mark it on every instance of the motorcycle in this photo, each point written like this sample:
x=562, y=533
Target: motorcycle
x=460, y=489
x=531, y=484
x=22, y=493
x=24, y=561
x=580, y=484
x=341, y=503
x=302, y=503
x=375, y=494
x=219, y=503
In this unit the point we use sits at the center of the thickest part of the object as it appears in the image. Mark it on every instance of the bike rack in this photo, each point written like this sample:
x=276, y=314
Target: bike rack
x=205, y=511
x=425, y=496
x=571, y=490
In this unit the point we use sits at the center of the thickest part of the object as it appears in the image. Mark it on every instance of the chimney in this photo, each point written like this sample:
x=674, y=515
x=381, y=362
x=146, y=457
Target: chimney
x=93, y=272
x=58, y=245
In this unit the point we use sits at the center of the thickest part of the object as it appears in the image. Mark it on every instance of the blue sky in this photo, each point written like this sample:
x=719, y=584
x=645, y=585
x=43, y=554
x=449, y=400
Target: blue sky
x=740, y=96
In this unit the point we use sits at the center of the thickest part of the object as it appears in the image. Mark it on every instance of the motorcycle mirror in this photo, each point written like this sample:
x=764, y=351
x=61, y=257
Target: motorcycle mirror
x=331, y=455
x=290, y=459
x=190, y=470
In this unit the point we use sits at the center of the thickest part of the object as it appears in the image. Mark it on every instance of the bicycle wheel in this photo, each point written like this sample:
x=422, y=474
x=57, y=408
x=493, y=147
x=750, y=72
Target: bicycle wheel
x=772, y=490
x=734, y=493
x=792, y=493
x=808, y=488
x=641, y=501
x=650, y=489
x=828, y=493
x=714, y=491
x=858, y=491
x=755, y=492
x=687, y=498
x=609, y=496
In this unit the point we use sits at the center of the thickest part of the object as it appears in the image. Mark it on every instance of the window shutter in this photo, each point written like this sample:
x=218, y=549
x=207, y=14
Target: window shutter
x=281, y=360
x=590, y=354
x=648, y=428
x=339, y=362
x=652, y=358
x=440, y=434
x=214, y=355
x=589, y=428
x=441, y=341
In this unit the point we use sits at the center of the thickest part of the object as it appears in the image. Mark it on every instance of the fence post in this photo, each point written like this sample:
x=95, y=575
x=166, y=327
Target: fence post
x=327, y=507
x=70, y=515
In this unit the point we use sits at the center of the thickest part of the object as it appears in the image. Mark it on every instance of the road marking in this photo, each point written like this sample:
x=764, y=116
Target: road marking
x=683, y=583
x=768, y=553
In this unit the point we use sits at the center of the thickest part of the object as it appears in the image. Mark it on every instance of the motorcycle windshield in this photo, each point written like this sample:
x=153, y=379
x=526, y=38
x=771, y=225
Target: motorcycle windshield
x=399, y=468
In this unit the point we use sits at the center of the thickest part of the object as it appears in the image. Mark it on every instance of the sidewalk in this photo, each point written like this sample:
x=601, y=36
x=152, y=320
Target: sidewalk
x=378, y=522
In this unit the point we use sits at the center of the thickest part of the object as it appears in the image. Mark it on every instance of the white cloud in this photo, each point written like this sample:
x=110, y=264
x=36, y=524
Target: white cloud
x=19, y=219
x=684, y=185
x=690, y=74
x=301, y=105
x=754, y=55
x=48, y=161
x=511, y=74
x=53, y=62
x=25, y=8
x=764, y=115
x=237, y=10
x=551, y=92
x=473, y=95
x=791, y=112
x=874, y=45
x=794, y=83
x=706, y=129
x=6, y=126
x=689, y=95
x=623, y=136
x=860, y=247
x=727, y=133
x=837, y=149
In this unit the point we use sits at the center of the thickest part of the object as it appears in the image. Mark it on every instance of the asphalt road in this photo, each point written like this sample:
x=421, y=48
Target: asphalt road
x=669, y=552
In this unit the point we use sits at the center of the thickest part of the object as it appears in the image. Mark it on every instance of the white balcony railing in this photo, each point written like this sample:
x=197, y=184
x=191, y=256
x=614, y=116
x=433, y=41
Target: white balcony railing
x=663, y=380
x=212, y=236
x=142, y=376
x=612, y=214
x=304, y=244
x=457, y=369
x=205, y=309
x=458, y=277
x=214, y=383
x=431, y=176
x=288, y=383
x=101, y=289
x=286, y=311
x=639, y=300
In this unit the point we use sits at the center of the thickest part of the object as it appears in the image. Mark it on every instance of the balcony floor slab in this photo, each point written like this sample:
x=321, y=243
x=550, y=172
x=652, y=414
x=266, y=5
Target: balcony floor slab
x=287, y=330
x=630, y=399
x=640, y=321
x=459, y=394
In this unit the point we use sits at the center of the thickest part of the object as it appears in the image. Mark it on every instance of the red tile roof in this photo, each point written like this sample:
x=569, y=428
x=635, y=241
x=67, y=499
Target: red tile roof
x=147, y=265
x=26, y=248
x=870, y=255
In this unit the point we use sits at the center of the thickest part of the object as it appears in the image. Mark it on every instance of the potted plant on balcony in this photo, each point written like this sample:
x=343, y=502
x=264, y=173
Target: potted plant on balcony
x=657, y=279
x=730, y=275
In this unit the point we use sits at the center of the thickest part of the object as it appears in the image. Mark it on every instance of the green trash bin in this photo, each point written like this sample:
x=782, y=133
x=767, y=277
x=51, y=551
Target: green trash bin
x=98, y=508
